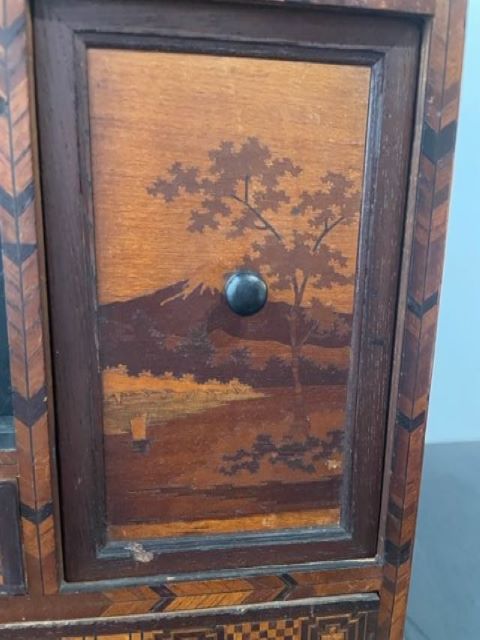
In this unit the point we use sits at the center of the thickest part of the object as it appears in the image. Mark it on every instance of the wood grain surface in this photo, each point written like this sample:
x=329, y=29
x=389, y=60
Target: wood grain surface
x=433, y=186
x=26, y=331
x=313, y=115
x=348, y=618
x=279, y=432
x=28, y=337
x=162, y=232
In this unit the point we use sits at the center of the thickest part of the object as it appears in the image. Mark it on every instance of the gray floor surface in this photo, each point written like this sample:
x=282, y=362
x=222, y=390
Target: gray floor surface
x=444, y=601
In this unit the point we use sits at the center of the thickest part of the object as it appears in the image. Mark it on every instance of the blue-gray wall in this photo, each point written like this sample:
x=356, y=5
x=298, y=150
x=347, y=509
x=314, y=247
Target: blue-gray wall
x=455, y=399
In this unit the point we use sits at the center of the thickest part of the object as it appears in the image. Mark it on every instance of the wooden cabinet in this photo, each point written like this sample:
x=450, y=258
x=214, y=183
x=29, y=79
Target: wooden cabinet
x=172, y=454
x=221, y=442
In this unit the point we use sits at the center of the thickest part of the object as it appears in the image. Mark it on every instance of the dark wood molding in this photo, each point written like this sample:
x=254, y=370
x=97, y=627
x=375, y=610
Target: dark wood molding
x=11, y=561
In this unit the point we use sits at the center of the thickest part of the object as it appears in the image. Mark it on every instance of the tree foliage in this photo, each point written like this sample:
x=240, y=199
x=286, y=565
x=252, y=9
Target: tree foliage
x=248, y=189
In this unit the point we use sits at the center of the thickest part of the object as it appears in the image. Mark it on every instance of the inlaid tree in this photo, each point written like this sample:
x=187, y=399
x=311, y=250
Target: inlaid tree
x=246, y=190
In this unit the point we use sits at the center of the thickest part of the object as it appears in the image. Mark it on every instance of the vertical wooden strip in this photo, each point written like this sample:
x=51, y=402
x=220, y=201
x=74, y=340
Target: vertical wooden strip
x=11, y=563
x=422, y=309
x=22, y=285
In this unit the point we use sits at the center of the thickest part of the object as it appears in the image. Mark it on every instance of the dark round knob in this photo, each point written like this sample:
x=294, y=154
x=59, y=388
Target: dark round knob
x=246, y=293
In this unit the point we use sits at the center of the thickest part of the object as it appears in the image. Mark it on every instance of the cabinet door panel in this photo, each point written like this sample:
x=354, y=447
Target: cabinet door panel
x=180, y=143
x=246, y=414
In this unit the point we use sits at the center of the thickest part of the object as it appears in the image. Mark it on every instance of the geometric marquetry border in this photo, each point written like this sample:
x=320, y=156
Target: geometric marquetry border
x=422, y=297
x=352, y=618
x=27, y=337
x=20, y=259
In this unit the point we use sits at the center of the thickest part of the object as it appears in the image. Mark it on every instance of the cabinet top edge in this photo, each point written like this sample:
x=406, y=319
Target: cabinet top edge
x=422, y=8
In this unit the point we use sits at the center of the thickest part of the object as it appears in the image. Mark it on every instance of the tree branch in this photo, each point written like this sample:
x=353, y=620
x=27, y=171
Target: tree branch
x=325, y=232
x=297, y=301
x=313, y=327
x=303, y=286
x=266, y=224
x=299, y=293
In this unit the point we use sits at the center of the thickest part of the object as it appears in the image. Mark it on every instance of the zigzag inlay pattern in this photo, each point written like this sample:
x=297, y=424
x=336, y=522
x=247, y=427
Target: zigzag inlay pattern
x=18, y=253
x=420, y=309
x=30, y=410
x=397, y=555
x=438, y=140
x=410, y=424
x=22, y=289
x=37, y=516
x=9, y=33
x=16, y=204
x=290, y=584
x=436, y=144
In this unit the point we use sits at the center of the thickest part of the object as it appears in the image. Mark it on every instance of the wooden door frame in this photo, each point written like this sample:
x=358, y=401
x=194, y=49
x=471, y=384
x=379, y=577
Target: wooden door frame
x=63, y=33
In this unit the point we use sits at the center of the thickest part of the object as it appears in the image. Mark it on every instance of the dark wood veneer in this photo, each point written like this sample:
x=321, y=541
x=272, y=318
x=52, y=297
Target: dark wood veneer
x=11, y=561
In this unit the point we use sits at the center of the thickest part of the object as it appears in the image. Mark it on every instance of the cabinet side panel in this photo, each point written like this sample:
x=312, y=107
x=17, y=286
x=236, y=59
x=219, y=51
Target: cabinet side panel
x=22, y=299
x=422, y=296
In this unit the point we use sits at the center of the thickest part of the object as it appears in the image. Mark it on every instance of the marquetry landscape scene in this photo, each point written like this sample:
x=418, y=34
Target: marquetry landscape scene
x=224, y=423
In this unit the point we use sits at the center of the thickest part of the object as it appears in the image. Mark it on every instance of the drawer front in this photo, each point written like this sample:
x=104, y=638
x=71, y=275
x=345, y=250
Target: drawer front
x=181, y=143
x=353, y=618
